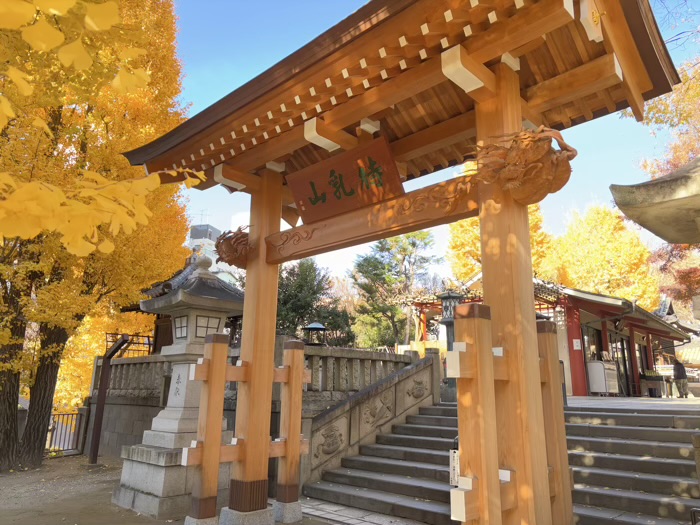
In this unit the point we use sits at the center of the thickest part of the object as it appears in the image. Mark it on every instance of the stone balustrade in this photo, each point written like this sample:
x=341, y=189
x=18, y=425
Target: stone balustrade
x=138, y=387
x=339, y=430
x=135, y=377
x=347, y=369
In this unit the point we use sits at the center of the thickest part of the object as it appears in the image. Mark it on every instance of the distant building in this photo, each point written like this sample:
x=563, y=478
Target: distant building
x=202, y=240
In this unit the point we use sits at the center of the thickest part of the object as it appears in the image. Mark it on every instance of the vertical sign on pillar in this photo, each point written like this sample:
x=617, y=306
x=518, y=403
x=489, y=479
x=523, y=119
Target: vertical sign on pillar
x=249, y=485
x=508, y=289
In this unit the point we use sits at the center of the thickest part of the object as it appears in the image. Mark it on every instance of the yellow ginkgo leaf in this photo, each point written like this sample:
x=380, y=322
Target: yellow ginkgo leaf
x=41, y=124
x=190, y=182
x=100, y=17
x=106, y=246
x=55, y=7
x=42, y=36
x=128, y=82
x=7, y=180
x=15, y=13
x=6, y=112
x=19, y=78
x=132, y=52
x=76, y=55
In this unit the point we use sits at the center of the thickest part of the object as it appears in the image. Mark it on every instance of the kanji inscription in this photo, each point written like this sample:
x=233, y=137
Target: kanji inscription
x=354, y=179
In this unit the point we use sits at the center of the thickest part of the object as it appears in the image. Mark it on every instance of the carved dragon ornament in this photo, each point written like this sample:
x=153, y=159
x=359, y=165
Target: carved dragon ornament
x=526, y=164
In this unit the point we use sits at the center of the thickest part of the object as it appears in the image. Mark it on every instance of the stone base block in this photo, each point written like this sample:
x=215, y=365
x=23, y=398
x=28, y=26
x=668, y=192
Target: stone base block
x=256, y=517
x=287, y=512
x=157, y=438
x=174, y=507
x=202, y=521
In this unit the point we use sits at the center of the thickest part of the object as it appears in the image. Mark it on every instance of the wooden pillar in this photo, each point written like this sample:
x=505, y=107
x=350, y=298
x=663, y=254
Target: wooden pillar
x=636, y=381
x=553, y=403
x=650, y=353
x=577, y=360
x=604, y=337
x=290, y=432
x=424, y=325
x=209, y=426
x=471, y=363
x=508, y=289
x=249, y=489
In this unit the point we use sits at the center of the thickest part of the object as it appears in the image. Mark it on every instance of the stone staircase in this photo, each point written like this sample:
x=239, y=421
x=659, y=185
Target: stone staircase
x=628, y=468
x=634, y=467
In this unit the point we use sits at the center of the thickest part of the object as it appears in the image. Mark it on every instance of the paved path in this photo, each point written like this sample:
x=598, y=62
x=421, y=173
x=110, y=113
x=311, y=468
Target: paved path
x=67, y=491
x=349, y=515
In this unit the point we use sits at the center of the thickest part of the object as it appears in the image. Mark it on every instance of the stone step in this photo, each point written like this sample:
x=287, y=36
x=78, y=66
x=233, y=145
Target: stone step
x=674, y=435
x=396, y=484
x=435, y=421
x=436, y=457
x=432, y=512
x=635, y=502
x=432, y=443
x=586, y=515
x=694, y=412
x=400, y=467
x=630, y=447
x=643, y=482
x=438, y=411
x=424, y=430
x=635, y=419
x=642, y=464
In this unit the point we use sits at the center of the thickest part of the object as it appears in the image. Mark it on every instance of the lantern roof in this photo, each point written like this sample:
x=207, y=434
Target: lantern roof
x=194, y=287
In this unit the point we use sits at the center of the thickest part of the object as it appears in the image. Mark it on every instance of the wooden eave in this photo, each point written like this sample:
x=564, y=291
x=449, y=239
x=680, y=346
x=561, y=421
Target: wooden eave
x=379, y=64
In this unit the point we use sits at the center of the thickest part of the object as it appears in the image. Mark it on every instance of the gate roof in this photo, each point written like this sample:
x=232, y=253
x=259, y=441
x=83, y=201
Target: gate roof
x=386, y=63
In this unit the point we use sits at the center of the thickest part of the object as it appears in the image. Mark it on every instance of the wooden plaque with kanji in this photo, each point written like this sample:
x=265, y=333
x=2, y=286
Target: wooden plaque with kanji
x=353, y=179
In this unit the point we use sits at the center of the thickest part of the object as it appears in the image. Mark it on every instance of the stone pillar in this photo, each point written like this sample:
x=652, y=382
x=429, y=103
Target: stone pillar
x=436, y=374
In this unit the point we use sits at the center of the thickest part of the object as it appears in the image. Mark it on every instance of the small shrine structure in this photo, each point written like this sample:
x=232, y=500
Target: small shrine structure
x=396, y=91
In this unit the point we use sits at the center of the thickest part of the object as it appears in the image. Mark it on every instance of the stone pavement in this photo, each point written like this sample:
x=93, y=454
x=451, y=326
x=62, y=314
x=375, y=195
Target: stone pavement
x=314, y=508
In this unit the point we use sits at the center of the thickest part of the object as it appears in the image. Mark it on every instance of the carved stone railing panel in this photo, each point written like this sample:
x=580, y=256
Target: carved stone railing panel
x=135, y=377
x=339, y=431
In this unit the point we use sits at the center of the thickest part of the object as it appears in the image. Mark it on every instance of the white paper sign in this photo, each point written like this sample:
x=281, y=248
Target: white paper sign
x=454, y=467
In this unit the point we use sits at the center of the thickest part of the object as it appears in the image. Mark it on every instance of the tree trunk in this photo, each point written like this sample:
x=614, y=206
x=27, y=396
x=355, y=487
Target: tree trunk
x=409, y=319
x=9, y=395
x=33, y=444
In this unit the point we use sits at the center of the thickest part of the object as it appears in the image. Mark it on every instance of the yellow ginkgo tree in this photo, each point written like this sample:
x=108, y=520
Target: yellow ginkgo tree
x=80, y=82
x=53, y=52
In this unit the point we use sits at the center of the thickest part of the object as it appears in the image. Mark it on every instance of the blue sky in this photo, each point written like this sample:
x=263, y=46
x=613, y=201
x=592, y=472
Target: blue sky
x=223, y=44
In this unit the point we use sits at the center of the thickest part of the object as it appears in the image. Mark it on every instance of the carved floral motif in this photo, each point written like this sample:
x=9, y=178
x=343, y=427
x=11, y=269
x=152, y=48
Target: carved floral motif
x=294, y=238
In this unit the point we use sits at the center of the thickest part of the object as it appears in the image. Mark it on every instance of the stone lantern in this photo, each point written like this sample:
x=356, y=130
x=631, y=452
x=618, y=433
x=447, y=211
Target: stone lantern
x=449, y=300
x=198, y=303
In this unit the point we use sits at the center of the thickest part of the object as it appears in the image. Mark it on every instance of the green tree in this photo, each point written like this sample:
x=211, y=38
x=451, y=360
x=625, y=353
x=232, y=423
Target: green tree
x=387, y=280
x=302, y=288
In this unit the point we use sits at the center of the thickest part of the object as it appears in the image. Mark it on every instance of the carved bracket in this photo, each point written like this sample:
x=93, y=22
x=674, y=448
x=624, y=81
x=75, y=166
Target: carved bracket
x=527, y=165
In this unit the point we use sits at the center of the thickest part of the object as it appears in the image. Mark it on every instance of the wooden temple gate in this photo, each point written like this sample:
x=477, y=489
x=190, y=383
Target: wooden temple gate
x=398, y=90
